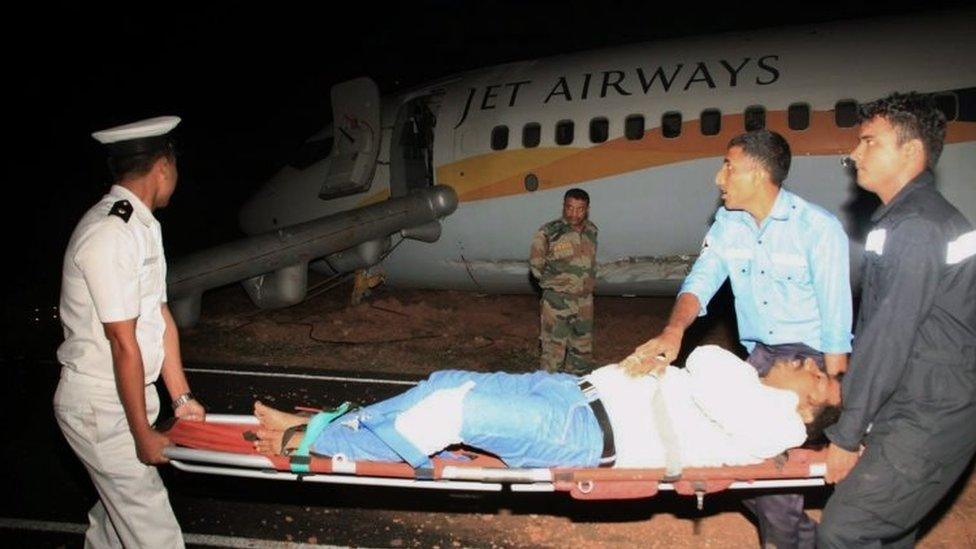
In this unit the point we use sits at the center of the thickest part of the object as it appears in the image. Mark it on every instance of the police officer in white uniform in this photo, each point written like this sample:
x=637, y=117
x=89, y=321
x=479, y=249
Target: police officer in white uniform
x=119, y=338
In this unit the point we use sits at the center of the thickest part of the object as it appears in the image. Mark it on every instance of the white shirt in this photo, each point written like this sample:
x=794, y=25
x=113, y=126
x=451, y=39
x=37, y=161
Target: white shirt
x=113, y=270
x=720, y=412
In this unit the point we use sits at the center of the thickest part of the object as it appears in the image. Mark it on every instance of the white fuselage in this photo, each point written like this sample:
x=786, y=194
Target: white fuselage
x=652, y=197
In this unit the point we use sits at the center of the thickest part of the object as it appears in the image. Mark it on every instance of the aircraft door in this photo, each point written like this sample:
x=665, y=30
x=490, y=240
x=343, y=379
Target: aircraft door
x=356, y=123
x=411, y=149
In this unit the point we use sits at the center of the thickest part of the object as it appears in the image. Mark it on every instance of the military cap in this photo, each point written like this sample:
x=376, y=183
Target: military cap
x=142, y=137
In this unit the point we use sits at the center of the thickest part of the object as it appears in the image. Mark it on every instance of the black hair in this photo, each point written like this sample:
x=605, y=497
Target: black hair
x=823, y=417
x=578, y=194
x=914, y=116
x=137, y=165
x=769, y=149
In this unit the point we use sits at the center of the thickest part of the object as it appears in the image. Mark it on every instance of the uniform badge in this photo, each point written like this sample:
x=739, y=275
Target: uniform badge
x=562, y=249
x=122, y=209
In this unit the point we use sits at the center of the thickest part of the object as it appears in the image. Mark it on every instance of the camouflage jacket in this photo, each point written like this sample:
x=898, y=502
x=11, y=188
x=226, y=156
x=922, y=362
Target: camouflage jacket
x=564, y=260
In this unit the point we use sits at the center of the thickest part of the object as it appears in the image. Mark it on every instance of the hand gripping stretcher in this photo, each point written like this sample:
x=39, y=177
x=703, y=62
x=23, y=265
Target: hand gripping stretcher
x=222, y=446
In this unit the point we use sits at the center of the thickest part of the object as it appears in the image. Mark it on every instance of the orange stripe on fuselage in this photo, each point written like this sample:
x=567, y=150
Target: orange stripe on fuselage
x=477, y=173
x=378, y=196
x=503, y=173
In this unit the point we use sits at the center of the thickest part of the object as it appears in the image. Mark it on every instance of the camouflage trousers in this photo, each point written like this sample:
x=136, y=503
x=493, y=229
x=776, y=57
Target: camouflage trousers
x=566, y=333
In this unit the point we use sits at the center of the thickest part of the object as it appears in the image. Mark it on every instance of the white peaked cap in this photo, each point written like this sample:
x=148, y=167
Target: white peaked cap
x=142, y=137
x=151, y=127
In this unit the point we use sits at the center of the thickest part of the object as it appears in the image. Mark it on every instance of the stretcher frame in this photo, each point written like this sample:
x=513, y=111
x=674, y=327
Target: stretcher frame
x=484, y=473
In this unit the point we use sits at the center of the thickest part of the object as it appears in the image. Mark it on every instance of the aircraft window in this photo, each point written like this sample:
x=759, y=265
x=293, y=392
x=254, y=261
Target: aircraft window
x=946, y=102
x=798, y=116
x=599, y=130
x=755, y=118
x=671, y=124
x=311, y=152
x=634, y=127
x=845, y=114
x=499, y=138
x=531, y=135
x=711, y=122
x=564, y=132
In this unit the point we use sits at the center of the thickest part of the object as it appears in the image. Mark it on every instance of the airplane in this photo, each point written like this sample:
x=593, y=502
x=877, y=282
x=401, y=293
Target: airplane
x=445, y=184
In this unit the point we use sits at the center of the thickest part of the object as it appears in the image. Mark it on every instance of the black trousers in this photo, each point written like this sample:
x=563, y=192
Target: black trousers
x=783, y=523
x=880, y=504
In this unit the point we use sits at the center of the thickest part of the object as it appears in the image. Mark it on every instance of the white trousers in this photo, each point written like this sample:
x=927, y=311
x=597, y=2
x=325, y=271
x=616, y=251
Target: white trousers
x=133, y=510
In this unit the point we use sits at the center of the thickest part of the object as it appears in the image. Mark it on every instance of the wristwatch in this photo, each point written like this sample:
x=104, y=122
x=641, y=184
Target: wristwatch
x=183, y=399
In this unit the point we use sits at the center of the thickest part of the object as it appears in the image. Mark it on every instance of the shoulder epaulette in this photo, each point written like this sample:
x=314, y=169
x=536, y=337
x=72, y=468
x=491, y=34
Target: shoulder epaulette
x=123, y=209
x=553, y=228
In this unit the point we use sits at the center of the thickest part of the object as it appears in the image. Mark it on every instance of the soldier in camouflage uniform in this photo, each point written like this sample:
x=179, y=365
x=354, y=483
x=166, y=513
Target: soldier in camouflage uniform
x=563, y=260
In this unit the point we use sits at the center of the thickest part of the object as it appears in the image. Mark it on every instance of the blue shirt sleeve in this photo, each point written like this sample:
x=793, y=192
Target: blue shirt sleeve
x=709, y=271
x=830, y=261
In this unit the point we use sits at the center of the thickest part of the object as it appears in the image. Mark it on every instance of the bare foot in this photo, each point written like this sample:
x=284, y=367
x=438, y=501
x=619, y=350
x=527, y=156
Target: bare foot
x=276, y=420
x=269, y=442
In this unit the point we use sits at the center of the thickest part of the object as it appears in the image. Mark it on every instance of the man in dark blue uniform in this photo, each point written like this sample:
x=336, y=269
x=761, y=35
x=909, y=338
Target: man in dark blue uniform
x=908, y=427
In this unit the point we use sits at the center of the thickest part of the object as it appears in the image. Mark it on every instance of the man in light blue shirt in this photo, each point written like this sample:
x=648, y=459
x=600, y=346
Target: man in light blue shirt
x=787, y=260
x=788, y=270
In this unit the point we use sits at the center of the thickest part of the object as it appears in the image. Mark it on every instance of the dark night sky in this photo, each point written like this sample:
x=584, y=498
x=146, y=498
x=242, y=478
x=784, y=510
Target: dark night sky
x=252, y=83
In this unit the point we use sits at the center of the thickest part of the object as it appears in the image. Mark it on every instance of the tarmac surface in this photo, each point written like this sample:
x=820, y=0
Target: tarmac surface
x=303, y=356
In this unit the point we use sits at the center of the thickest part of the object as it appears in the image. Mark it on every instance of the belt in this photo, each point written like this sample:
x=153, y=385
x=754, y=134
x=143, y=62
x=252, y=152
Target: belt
x=609, y=455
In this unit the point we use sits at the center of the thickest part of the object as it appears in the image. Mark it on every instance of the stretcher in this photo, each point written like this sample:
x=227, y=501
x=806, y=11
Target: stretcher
x=223, y=446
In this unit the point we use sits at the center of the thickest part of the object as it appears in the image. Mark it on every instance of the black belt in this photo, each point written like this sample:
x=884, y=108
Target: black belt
x=609, y=455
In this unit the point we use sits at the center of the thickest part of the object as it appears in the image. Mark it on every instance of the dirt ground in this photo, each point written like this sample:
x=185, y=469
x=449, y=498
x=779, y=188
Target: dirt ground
x=417, y=332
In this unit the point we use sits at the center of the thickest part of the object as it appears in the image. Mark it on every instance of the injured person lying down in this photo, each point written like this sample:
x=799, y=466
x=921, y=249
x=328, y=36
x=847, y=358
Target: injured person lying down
x=715, y=411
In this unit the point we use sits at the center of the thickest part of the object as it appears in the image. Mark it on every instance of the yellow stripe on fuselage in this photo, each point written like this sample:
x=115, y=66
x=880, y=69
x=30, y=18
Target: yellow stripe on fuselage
x=473, y=176
x=378, y=196
x=503, y=173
